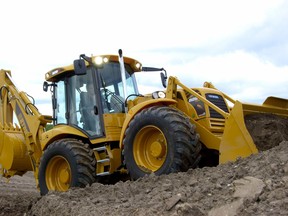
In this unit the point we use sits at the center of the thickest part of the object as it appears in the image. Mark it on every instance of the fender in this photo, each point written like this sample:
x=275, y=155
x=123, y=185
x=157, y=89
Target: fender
x=136, y=109
x=58, y=132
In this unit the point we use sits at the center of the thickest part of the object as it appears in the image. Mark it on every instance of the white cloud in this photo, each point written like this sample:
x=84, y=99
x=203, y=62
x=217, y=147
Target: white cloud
x=242, y=75
x=184, y=37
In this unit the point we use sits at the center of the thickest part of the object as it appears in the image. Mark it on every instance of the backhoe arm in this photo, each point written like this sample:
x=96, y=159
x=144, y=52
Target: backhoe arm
x=14, y=139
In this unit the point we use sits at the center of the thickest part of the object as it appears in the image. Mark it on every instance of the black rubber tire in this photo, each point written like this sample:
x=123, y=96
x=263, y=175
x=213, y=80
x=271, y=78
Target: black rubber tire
x=183, y=146
x=81, y=161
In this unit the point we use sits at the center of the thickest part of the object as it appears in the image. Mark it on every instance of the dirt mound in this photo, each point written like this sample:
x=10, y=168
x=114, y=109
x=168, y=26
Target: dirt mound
x=206, y=191
x=17, y=196
x=267, y=130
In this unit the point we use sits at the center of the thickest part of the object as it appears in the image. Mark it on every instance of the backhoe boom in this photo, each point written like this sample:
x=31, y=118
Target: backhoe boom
x=20, y=148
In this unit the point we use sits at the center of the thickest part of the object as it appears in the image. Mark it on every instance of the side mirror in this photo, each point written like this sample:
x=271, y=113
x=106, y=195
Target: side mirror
x=163, y=79
x=163, y=76
x=45, y=86
x=80, y=67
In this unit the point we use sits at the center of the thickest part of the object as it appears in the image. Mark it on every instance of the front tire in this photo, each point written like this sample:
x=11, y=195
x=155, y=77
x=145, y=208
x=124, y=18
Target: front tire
x=66, y=163
x=161, y=140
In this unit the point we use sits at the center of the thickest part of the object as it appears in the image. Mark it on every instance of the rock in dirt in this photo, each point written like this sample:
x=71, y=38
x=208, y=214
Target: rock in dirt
x=172, y=201
x=229, y=209
x=186, y=209
x=249, y=187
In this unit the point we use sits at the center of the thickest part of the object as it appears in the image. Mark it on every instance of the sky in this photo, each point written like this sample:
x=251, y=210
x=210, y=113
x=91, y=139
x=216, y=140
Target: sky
x=239, y=46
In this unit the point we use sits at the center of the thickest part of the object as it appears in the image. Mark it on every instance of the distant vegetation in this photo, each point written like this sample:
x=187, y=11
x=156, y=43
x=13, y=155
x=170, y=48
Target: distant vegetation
x=49, y=127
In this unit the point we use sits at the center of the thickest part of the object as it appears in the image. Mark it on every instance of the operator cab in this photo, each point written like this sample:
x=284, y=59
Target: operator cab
x=81, y=96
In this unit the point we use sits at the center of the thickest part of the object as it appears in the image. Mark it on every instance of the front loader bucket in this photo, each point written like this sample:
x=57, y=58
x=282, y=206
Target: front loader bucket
x=237, y=140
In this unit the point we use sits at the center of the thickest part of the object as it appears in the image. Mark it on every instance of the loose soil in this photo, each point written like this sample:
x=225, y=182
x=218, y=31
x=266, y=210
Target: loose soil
x=267, y=130
x=256, y=185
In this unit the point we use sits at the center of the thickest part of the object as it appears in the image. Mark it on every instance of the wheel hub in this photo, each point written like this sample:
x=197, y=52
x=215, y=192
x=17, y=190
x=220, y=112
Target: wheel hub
x=64, y=176
x=150, y=148
x=58, y=174
x=157, y=149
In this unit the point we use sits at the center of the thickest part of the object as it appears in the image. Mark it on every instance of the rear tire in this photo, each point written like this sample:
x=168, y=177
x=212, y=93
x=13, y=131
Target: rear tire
x=66, y=163
x=161, y=140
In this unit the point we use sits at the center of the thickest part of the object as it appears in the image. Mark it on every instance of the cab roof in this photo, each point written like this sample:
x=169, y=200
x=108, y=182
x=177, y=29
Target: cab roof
x=54, y=74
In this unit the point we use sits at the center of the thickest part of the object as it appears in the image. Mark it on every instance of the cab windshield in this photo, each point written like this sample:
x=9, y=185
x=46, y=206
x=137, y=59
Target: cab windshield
x=110, y=79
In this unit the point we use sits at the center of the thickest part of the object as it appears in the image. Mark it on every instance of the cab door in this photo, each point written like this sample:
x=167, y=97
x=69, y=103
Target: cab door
x=78, y=105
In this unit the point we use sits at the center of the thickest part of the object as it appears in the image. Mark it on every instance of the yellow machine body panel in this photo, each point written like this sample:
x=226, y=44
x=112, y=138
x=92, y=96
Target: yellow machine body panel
x=58, y=132
x=113, y=123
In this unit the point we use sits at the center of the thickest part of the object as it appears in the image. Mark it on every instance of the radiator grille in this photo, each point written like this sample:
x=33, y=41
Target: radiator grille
x=217, y=100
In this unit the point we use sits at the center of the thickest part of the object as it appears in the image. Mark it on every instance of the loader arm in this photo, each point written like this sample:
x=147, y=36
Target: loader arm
x=172, y=93
x=210, y=85
x=19, y=146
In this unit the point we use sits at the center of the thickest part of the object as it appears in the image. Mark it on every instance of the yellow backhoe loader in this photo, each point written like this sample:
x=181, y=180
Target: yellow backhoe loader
x=103, y=126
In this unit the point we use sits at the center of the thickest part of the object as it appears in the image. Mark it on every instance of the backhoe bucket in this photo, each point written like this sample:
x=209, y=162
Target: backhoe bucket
x=237, y=140
x=14, y=157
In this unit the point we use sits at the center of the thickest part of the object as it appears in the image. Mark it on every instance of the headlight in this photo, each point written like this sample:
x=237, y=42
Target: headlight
x=98, y=60
x=138, y=65
x=158, y=94
x=105, y=59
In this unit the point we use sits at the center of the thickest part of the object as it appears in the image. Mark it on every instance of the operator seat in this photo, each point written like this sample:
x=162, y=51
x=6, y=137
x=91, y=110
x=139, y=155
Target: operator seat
x=117, y=104
x=86, y=110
